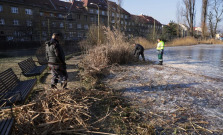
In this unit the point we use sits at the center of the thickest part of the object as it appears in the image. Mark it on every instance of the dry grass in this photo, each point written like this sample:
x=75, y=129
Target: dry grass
x=183, y=42
x=115, y=50
x=145, y=43
x=211, y=41
x=77, y=111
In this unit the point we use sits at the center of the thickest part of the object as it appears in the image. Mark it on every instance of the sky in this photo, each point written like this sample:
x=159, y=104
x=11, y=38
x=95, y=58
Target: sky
x=162, y=10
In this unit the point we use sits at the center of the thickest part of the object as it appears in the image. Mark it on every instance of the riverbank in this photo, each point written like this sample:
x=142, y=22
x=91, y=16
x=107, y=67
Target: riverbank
x=83, y=109
x=140, y=98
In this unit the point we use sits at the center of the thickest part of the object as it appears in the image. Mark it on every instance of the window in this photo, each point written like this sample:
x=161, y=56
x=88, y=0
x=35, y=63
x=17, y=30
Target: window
x=79, y=34
x=2, y=21
x=41, y=13
x=70, y=25
x=44, y=33
x=53, y=24
x=15, y=22
x=126, y=16
x=92, y=19
x=1, y=8
x=117, y=15
x=91, y=11
x=85, y=17
x=113, y=14
x=86, y=27
x=52, y=15
x=61, y=25
x=43, y=23
x=29, y=23
x=28, y=11
x=126, y=23
x=14, y=10
x=60, y=15
x=113, y=21
x=71, y=34
x=79, y=26
x=103, y=12
x=122, y=15
x=78, y=16
x=96, y=11
x=103, y=20
x=122, y=22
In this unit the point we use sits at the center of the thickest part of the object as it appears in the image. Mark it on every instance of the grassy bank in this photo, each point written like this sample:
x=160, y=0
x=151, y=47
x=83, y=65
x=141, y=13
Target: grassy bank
x=176, y=42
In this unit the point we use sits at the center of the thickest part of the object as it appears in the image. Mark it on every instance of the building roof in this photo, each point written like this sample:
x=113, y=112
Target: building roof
x=115, y=7
x=102, y=3
x=51, y=4
x=151, y=20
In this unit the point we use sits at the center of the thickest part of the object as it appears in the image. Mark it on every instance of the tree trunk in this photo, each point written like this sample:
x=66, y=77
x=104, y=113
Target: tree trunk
x=204, y=17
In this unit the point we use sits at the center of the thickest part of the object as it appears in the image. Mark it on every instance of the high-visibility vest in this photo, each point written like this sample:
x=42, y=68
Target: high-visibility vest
x=160, y=45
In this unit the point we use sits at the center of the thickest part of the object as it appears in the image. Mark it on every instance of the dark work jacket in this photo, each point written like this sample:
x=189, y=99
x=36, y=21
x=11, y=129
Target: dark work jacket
x=138, y=48
x=54, y=53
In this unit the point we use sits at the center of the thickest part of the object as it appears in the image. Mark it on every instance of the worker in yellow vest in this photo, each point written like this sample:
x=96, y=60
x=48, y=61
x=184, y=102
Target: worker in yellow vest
x=160, y=50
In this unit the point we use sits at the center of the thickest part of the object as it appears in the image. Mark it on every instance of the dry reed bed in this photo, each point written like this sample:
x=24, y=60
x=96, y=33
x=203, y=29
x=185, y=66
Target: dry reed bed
x=51, y=111
x=116, y=49
x=77, y=111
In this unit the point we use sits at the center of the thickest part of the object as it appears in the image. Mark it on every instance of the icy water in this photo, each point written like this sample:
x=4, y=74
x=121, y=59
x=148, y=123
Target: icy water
x=183, y=95
x=17, y=53
x=203, y=59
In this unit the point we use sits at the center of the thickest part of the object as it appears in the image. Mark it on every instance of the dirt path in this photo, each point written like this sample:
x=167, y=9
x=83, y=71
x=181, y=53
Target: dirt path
x=171, y=98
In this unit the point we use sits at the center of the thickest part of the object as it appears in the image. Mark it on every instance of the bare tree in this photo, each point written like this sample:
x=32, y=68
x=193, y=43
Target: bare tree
x=215, y=16
x=204, y=17
x=189, y=14
x=179, y=17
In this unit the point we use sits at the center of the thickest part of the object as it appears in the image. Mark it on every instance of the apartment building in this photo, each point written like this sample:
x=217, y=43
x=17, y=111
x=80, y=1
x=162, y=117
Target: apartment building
x=32, y=20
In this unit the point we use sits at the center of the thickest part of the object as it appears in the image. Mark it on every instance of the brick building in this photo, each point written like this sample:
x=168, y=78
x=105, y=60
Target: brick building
x=36, y=20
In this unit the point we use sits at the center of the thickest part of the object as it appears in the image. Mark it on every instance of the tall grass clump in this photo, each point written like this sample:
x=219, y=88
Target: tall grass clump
x=114, y=50
x=211, y=41
x=183, y=41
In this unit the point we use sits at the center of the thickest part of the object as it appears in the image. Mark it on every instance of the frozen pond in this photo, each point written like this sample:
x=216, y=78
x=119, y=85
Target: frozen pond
x=17, y=53
x=202, y=59
x=184, y=95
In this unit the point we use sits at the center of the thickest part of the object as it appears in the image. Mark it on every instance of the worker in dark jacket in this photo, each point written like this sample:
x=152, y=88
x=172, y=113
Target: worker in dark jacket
x=139, y=50
x=56, y=62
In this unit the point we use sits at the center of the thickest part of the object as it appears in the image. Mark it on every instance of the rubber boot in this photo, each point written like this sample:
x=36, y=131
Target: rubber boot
x=64, y=85
x=160, y=63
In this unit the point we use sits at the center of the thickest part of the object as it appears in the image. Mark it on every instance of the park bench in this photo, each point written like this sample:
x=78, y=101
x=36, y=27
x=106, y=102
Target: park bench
x=6, y=126
x=13, y=90
x=30, y=69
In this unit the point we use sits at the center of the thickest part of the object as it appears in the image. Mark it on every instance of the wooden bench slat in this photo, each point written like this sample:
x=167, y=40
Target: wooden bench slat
x=9, y=128
x=6, y=126
x=2, y=123
x=29, y=68
x=12, y=90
